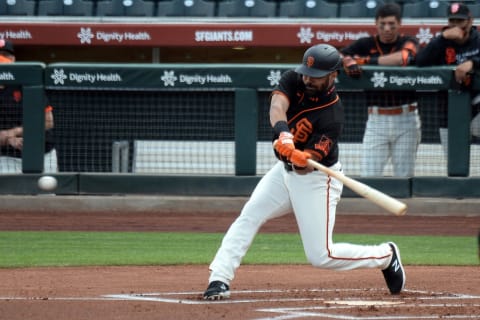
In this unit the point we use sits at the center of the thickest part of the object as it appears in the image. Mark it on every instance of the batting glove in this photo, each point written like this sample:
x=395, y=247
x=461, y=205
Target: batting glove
x=351, y=67
x=284, y=144
x=299, y=158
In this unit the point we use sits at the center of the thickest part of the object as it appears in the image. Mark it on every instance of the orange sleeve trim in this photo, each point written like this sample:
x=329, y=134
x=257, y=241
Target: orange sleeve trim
x=48, y=109
x=315, y=108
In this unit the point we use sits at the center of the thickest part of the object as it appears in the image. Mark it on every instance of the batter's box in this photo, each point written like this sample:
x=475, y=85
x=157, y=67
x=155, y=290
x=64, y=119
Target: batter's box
x=332, y=298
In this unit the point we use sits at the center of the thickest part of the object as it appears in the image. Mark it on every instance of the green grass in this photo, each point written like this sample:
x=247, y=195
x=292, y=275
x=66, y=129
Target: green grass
x=31, y=249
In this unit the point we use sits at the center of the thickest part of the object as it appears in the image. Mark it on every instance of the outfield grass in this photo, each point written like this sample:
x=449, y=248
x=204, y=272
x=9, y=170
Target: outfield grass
x=52, y=248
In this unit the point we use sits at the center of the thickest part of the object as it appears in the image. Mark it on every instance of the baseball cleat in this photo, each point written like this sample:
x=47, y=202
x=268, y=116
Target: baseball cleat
x=394, y=274
x=217, y=290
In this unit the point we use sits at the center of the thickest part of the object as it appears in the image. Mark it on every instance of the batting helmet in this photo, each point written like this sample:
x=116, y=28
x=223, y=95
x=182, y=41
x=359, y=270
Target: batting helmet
x=320, y=60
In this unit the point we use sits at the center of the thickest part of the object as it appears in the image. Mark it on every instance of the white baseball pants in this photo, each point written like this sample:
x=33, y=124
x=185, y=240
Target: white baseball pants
x=313, y=199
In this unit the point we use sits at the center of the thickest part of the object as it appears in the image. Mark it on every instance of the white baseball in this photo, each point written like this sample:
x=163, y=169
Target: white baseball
x=47, y=183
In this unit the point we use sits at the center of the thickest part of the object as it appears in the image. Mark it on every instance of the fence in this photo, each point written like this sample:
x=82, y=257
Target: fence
x=213, y=119
x=204, y=129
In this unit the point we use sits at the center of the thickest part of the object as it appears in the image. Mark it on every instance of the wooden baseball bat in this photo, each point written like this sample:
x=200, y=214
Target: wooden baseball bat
x=383, y=200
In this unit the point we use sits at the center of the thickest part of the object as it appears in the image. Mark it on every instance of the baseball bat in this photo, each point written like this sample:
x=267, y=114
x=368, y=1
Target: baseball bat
x=383, y=200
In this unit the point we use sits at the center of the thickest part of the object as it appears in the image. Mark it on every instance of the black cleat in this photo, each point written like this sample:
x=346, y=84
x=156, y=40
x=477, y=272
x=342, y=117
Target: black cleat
x=217, y=290
x=395, y=274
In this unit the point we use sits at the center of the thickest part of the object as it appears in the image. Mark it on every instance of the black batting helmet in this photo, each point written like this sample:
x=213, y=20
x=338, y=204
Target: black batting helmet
x=320, y=60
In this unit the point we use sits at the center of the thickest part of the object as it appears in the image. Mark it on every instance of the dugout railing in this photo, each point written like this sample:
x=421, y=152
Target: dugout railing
x=203, y=128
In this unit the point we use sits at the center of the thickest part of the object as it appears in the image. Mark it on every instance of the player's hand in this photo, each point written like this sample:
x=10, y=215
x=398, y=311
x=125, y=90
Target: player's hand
x=284, y=145
x=463, y=73
x=351, y=67
x=361, y=60
x=455, y=33
x=299, y=158
x=15, y=142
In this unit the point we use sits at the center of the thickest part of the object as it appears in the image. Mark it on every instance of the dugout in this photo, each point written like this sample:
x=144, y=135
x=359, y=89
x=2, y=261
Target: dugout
x=203, y=129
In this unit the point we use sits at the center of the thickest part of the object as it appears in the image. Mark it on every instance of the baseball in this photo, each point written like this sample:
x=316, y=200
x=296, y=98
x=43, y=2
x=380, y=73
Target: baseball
x=47, y=183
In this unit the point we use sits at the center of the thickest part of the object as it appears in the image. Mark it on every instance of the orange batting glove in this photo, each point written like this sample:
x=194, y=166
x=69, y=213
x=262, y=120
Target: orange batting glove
x=284, y=145
x=299, y=158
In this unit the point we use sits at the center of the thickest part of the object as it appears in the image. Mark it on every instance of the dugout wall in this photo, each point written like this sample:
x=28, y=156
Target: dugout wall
x=203, y=129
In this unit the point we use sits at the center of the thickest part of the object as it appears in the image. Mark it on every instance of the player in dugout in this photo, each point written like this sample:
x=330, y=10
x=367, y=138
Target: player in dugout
x=307, y=118
x=11, y=126
x=457, y=45
x=393, y=128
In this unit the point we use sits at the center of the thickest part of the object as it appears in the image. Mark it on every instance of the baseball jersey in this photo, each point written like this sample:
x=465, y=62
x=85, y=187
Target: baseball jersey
x=373, y=47
x=11, y=114
x=316, y=121
x=441, y=51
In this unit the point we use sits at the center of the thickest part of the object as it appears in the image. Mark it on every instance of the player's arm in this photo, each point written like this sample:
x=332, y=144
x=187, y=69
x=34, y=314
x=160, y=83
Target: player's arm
x=403, y=57
x=432, y=54
x=454, y=33
x=7, y=135
x=14, y=136
x=283, y=143
x=279, y=104
x=350, y=64
x=49, y=124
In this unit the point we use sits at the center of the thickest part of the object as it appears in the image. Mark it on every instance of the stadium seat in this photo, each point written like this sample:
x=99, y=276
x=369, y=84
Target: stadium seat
x=65, y=8
x=425, y=9
x=247, y=8
x=186, y=8
x=474, y=9
x=360, y=9
x=128, y=8
x=17, y=8
x=308, y=8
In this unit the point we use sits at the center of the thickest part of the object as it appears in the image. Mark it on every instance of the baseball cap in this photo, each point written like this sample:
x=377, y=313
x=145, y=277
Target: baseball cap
x=7, y=46
x=458, y=11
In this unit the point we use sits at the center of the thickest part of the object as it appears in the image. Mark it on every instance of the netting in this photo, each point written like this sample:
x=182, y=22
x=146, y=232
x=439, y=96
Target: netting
x=193, y=132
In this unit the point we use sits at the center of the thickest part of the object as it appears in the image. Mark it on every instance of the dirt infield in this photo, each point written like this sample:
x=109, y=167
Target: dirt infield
x=258, y=292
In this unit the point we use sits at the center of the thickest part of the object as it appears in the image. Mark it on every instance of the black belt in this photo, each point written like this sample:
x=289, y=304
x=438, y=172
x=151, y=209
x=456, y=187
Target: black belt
x=289, y=167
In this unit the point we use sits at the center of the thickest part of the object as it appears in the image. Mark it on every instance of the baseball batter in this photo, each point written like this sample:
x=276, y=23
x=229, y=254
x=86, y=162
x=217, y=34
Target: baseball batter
x=393, y=129
x=307, y=119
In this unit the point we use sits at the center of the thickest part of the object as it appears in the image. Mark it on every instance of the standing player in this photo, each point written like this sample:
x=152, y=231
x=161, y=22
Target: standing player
x=307, y=118
x=393, y=125
x=457, y=45
x=11, y=124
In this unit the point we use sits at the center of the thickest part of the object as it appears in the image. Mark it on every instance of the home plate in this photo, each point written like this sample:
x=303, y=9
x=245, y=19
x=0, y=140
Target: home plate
x=363, y=302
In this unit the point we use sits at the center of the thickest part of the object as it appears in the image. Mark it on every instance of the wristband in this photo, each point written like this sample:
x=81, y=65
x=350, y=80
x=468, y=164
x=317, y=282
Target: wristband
x=373, y=60
x=280, y=126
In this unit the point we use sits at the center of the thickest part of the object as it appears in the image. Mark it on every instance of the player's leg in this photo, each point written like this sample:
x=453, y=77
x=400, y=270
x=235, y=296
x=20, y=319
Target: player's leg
x=404, y=151
x=270, y=199
x=50, y=163
x=375, y=147
x=314, y=199
x=443, y=132
x=10, y=165
x=475, y=126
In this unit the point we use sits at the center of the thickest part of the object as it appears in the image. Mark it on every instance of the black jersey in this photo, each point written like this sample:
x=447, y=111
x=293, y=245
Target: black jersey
x=373, y=47
x=441, y=51
x=316, y=122
x=11, y=114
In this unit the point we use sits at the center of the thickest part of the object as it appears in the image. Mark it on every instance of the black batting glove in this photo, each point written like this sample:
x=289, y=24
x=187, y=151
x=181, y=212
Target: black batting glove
x=351, y=68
